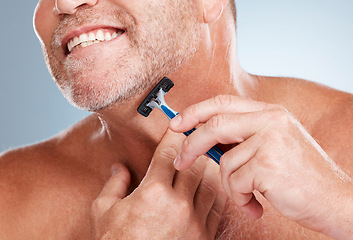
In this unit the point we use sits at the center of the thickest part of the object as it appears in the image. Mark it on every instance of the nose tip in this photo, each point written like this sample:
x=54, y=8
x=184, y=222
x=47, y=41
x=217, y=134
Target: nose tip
x=70, y=6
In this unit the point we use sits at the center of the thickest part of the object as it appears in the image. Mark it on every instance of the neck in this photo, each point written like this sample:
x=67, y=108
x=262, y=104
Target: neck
x=212, y=71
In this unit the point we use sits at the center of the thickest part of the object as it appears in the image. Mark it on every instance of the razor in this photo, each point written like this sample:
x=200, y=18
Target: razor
x=155, y=99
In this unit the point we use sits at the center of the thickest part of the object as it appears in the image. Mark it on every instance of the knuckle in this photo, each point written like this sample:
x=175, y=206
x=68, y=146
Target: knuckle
x=184, y=208
x=209, y=187
x=264, y=160
x=223, y=100
x=193, y=110
x=280, y=116
x=168, y=152
x=194, y=171
x=217, y=211
x=216, y=122
x=98, y=205
x=155, y=190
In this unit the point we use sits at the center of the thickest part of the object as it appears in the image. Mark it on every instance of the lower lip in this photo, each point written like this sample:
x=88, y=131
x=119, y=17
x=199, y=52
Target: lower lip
x=83, y=50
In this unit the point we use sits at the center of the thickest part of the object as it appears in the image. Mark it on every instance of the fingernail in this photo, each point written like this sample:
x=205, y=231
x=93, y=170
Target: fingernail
x=177, y=161
x=176, y=121
x=114, y=168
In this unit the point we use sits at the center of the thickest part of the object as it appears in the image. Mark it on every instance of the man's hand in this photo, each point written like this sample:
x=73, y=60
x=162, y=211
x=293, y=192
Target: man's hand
x=166, y=205
x=274, y=155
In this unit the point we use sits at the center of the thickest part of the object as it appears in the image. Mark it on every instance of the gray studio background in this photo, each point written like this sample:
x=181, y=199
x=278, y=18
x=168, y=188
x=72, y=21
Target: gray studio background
x=303, y=38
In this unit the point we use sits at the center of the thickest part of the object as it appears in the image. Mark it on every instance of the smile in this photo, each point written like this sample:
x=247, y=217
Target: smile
x=93, y=37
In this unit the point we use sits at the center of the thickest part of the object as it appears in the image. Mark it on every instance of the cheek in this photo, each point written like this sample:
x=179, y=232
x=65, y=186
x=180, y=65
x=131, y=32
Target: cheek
x=44, y=21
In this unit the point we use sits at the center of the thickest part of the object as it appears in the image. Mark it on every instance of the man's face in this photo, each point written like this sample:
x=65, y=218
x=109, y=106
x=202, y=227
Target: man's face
x=151, y=39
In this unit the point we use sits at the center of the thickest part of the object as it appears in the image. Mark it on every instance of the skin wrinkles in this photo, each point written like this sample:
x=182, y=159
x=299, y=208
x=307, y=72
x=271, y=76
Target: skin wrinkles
x=80, y=79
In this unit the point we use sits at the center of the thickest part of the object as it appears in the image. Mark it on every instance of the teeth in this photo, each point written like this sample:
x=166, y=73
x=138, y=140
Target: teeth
x=70, y=45
x=100, y=35
x=91, y=37
x=85, y=39
x=107, y=36
x=76, y=41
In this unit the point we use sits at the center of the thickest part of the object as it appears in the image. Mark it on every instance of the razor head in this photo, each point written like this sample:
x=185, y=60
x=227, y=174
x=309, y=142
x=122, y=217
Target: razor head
x=165, y=84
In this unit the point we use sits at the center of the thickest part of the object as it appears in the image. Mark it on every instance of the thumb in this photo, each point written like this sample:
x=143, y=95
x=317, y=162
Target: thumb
x=116, y=187
x=113, y=191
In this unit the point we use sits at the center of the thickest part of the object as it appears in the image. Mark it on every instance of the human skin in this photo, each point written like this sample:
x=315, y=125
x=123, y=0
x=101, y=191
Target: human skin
x=162, y=196
x=277, y=166
x=49, y=187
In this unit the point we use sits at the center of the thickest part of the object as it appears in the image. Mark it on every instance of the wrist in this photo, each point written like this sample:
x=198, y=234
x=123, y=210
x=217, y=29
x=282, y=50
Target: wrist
x=339, y=218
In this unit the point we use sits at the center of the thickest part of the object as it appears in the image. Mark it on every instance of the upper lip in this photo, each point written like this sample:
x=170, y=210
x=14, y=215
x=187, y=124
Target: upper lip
x=77, y=32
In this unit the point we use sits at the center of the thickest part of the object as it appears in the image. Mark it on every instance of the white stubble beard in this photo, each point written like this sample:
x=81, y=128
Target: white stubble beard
x=164, y=41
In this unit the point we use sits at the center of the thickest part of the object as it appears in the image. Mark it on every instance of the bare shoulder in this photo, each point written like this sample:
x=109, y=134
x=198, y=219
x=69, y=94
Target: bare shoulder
x=333, y=131
x=67, y=144
x=38, y=181
x=325, y=112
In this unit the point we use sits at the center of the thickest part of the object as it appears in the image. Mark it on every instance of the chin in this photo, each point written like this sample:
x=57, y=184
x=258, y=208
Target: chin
x=88, y=94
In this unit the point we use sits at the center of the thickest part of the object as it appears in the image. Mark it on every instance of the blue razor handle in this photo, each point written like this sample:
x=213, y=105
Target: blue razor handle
x=214, y=153
x=155, y=99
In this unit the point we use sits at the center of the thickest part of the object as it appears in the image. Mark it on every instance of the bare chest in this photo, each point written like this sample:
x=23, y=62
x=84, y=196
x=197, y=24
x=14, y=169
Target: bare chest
x=73, y=222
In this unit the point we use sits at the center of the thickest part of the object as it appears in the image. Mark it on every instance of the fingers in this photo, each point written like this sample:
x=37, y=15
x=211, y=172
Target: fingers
x=252, y=208
x=222, y=104
x=115, y=189
x=240, y=185
x=161, y=168
x=209, y=199
x=237, y=157
x=228, y=120
x=215, y=214
x=187, y=182
x=117, y=185
x=225, y=129
x=208, y=189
